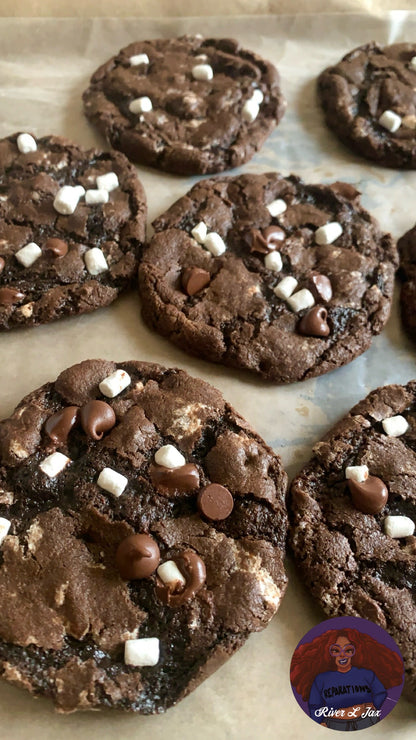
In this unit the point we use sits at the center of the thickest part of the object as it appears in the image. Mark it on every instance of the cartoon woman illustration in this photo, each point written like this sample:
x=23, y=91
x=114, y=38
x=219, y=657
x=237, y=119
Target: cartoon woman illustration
x=344, y=675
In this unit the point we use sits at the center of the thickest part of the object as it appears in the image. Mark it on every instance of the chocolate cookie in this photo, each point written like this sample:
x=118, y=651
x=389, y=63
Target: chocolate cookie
x=270, y=274
x=407, y=273
x=143, y=529
x=353, y=514
x=369, y=101
x=72, y=224
x=188, y=105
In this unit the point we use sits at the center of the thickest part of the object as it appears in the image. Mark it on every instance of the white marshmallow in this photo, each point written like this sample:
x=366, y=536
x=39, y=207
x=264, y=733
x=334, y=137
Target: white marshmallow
x=285, y=288
x=54, y=464
x=276, y=207
x=111, y=481
x=273, y=261
x=93, y=197
x=137, y=59
x=395, y=426
x=199, y=232
x=328, y=233
x=390, y=120
x=141, y=105
x=169, y=457
x=29, y=254
x=250, y=110
x=202, y=72
x=26, y=143
x=301, y=300
x=113, y=384
x=399, y=526
x=412, y=63
x=95, y=261
x=66, y=199
x=4, y=528
x=170, y=574
x=358, y=473
x=214, y=243
x=142, y=652
x=109, y=181
x=257, y=96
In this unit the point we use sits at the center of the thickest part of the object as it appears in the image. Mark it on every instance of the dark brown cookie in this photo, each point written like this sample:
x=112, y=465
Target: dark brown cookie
x=188, y=105
x=407, y=273
x=352, y=528
x=65, y=250
x=315, y=245
x=369, y=101
x=117, y=588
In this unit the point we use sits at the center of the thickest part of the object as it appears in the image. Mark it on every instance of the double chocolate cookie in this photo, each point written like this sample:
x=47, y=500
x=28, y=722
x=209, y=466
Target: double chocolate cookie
x=72, y=225
x=142, y=530
x=353, y=514
x=369, y=101
x=188, y=105
x=267, y=273
x=407, y=273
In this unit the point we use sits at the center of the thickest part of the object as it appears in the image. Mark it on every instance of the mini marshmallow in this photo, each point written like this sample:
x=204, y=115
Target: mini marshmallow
x=214, y=243
x=113, y=384
x=285, y=288
x=412, y=63
x=142, y=652
x=328, y=233
x=390, y=120
x=395, y=426
x=111, y=481
x=141, y=105
x=301, y=300
x=109, y=181
x=170, y=574
x=137, y=59
x=202, y=72
x=399, y=526
x=199, y=232
x=54, y=464
x=276, y=207
x=93, y=197
x=250, y=110
x=95, y=261
x=169, y=457
x=358, y=473
x=257, y=96
x=273, y=261
x=4, y=528
x=66, y=199
x=29, y=254
x=26, y=143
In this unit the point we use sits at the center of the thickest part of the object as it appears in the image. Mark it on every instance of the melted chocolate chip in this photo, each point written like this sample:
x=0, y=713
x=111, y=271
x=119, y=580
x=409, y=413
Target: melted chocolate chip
x=174, y=480
x=2, y=263
x=320, y=287
x=267, y=240
x=97, y=417
x=58, y=426
x=345, y=189
x=215, y=502
x=371, y=496
x=193, y=570
x=194, y=279
x=137, y=556
x=9, y=296
x=55, y=248
x=314, y=323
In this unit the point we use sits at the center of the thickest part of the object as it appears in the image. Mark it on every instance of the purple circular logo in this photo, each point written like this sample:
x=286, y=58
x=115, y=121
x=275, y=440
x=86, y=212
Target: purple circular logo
x=347, y=673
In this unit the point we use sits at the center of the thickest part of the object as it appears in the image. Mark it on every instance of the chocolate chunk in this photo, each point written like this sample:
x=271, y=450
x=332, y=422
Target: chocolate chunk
x=314, y=323
x=58, y=426
x=10, y=296
x=174, y=480
x=194, y=279
x=2, y=264
x=320, y=287
x=267, y=240
x=193, y=569
x=97, y=417
x=55, y=248
x=215, y=502
x=370, y=496
x=345, y=189
x=137, y=556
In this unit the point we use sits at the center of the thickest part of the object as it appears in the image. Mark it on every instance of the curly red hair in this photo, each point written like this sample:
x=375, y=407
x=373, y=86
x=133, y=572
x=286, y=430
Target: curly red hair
x=313, y=658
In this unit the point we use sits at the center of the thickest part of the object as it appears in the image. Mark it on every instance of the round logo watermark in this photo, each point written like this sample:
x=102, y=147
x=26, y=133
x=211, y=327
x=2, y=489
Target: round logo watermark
x=347, y=673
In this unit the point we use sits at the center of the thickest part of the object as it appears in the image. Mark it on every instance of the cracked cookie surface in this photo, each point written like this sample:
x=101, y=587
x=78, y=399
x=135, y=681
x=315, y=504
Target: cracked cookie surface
x=68, y=611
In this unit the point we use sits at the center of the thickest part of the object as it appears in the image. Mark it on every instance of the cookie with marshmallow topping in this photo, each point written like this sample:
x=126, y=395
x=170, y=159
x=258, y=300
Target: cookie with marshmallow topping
x=270, y=274
x=72, y=225
x=142, y=536
x=188, y=105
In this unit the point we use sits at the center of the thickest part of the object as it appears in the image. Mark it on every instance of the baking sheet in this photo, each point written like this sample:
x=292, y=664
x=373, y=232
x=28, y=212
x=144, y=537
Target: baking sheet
x=44, y=68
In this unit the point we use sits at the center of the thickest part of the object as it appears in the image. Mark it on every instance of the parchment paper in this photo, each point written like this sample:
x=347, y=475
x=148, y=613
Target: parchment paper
x=45, y=66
